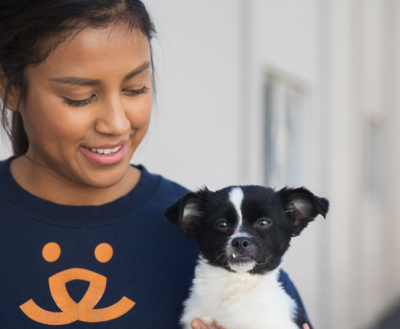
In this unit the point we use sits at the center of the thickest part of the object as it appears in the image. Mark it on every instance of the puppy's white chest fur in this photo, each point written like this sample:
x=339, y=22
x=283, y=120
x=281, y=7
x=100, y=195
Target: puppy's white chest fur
x=238, y=300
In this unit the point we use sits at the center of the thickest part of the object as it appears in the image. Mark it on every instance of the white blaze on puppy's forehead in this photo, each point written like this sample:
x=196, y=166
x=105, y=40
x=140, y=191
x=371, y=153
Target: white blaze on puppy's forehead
x=236, y=198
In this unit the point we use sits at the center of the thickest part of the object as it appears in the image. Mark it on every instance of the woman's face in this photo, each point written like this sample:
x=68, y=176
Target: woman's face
x=88, y=105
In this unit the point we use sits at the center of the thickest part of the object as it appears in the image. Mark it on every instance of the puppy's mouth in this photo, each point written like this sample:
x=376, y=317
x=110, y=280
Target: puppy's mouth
x=241, y=263
x=237, y=258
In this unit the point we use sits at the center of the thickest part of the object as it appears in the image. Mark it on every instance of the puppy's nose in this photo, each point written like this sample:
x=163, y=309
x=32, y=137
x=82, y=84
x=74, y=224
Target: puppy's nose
x=241, y=243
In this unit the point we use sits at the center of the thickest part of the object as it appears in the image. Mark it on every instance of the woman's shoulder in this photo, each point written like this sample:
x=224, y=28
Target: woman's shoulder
x=164, y=189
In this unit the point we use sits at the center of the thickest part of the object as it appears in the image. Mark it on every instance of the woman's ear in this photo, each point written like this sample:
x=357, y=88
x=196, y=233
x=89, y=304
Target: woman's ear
x=12, y=95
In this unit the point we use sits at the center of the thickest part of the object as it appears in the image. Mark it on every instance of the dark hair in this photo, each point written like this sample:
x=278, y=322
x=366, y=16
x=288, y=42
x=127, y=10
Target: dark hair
x=31, y=29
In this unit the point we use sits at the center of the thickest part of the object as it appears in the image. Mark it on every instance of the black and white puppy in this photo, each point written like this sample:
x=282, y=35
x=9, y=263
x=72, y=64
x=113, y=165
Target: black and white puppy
x=243, y=233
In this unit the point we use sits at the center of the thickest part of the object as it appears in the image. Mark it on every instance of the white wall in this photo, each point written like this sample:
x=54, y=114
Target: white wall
x=194, y=135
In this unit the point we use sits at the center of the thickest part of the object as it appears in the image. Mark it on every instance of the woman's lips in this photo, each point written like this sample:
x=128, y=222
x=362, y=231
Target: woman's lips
x=105, y=159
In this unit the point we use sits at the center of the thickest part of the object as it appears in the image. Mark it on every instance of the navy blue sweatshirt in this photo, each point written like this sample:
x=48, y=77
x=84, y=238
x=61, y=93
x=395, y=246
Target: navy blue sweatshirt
x=118, y=265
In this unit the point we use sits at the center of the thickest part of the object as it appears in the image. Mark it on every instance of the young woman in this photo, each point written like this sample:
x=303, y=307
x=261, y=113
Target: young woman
x=83, y=239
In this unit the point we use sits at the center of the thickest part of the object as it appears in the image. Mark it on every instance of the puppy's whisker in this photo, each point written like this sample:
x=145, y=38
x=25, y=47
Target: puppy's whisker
x=224, y=254
x=226, y=259
x=219, y=257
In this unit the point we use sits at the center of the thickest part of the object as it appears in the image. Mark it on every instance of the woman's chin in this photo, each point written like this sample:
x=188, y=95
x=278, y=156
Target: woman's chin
x=105, y=179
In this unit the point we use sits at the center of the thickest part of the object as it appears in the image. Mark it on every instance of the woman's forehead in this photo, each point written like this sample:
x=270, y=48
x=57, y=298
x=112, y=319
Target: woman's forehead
x=96, y=53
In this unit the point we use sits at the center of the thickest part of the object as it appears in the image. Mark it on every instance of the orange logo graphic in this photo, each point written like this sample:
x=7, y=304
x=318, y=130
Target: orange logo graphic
x=84, y=310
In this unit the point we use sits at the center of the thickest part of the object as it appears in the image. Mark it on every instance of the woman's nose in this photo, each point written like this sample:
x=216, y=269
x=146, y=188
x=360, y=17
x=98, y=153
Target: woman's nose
x=112, y=119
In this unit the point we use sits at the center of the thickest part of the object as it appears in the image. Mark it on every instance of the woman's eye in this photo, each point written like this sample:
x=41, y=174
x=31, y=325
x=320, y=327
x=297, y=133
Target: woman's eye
x=144, y=90
x=221, y=224
x=264, y=222
x=83, y=102
x=89, y=100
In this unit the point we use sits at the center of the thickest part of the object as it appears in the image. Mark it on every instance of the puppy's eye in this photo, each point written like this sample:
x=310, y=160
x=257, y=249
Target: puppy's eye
x=264, y=222
x=221, y=224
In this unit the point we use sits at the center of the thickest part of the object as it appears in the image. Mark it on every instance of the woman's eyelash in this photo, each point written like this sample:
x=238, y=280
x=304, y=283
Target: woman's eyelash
x=144, y=90
x=89, y=100
x=83, y=102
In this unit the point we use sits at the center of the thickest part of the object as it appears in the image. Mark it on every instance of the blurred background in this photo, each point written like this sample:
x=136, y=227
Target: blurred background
x=289, y=92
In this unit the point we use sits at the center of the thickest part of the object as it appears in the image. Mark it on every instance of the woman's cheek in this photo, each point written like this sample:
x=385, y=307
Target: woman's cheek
x=139, y=112
x=54, y=126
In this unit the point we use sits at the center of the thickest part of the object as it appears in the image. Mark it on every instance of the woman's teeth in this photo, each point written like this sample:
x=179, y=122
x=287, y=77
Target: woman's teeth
x=105, y=151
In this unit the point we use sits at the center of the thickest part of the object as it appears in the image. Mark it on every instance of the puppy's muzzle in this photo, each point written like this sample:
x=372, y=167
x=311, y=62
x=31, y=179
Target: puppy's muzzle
x=242, y=249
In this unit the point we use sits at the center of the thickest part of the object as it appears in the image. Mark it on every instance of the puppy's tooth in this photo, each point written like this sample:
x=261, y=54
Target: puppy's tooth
x=233, y=256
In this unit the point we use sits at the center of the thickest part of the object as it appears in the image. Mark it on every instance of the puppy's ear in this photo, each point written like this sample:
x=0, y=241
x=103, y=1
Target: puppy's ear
x=302, y=207
x=187, y=213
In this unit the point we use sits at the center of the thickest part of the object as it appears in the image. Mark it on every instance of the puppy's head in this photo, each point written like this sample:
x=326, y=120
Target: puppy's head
x=245, y=228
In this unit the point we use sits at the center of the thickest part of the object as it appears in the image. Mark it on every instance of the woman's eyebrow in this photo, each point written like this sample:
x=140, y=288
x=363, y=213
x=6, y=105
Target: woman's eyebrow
x=137, y=71
x=77, y=81
x=95, y=82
